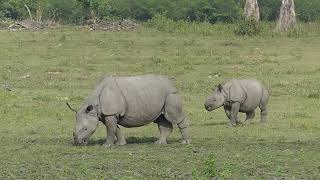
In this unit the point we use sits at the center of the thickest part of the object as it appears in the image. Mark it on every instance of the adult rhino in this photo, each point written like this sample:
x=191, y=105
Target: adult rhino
x=131, y=101
x=239, y=96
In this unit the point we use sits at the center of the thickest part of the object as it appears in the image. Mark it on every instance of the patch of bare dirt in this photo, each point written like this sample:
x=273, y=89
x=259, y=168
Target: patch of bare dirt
x=25, y=24
x=119, y=25
x=31, y=25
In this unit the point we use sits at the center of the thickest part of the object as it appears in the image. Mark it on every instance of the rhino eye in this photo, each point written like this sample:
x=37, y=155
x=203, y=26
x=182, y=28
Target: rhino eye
x=85, y=129
x=89, y=108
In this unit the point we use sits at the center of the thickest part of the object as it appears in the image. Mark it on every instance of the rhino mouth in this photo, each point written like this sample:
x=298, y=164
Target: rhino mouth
x=209, y=107
x=79, y=142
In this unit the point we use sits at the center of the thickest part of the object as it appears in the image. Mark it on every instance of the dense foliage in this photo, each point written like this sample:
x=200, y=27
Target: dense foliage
x=76, y=11
x=248, y=27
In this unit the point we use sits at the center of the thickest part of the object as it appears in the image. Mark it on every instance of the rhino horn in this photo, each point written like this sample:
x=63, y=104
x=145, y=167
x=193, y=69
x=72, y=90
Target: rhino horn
x=72, y=109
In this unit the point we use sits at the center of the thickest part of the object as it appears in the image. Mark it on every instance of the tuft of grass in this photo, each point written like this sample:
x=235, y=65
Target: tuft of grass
x=314, y=95
x=211, y=167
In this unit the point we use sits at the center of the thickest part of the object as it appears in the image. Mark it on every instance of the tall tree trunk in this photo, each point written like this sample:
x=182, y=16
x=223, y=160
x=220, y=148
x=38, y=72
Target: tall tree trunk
x=287, y=18
x=251, y=10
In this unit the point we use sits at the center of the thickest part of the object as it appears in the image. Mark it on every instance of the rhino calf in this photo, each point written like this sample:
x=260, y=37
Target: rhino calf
x=239, y=96
x=131, y=102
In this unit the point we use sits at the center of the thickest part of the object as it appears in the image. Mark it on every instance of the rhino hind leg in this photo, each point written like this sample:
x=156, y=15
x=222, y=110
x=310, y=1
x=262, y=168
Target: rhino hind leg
x=249, y=116
x=263, y=106
x=263, y=113
x=173, y=113
x=165, y=128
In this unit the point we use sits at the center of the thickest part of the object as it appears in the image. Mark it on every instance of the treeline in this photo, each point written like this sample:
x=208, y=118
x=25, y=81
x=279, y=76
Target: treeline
x=213, y=11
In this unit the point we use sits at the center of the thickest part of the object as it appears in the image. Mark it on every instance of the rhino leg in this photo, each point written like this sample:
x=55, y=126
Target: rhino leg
x=235, y=107
x=120, y=138
x=165, y=128
x=263, y=105
x=227, y=110
x=111, y=124
x=173, y=113
x=249, y=116
x=263, y=113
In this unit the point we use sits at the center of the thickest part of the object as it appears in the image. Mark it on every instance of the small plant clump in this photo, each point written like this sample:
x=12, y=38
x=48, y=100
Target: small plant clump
x=248, y=27
x=211, y=168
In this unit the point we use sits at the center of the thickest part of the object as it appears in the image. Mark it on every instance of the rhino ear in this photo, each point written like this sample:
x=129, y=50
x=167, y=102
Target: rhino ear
x=111, y=100
x=89, y=108
x=220, y=87
x=72, y=109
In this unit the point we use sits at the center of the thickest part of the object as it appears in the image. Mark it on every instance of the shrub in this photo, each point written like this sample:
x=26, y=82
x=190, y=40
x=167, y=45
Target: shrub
x=308, y=10
x=269, y=9
x=188, y=10
x=212, y=11
x=248, y=27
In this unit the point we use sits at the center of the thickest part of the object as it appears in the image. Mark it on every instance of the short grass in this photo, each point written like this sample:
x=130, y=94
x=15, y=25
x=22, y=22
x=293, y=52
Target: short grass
x=47, y=68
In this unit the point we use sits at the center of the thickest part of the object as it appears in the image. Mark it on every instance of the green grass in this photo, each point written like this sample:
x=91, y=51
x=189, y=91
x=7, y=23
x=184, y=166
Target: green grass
x=44, y=69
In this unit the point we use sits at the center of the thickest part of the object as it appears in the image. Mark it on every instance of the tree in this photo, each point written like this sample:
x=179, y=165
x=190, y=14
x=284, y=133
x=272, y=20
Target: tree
x=251, y=10
x=96, y=7
x=34, y=8
x=287, y=18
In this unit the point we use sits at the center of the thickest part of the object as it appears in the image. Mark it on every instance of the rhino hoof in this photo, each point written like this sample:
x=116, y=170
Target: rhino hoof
x=120, y=143
x=107, y=145
x=186, y=141
x=160, y=142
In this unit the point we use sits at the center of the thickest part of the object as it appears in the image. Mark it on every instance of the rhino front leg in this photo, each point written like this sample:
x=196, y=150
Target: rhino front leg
x=249, y=116
x=120, y=138
x=234, y=113
x=165, y=128
x=227, y=110
x=111, y=124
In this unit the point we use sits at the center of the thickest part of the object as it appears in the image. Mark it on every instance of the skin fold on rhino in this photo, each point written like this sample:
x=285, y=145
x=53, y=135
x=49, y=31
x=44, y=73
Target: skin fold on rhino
x=239, y=96
x=131, y=101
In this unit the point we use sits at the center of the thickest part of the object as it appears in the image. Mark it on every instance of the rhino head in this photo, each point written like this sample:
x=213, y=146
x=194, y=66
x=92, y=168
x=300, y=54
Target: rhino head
x=87, y=121
x=216, y=100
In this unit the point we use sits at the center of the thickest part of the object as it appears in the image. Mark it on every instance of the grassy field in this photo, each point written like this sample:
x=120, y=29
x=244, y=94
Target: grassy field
x=47, y=68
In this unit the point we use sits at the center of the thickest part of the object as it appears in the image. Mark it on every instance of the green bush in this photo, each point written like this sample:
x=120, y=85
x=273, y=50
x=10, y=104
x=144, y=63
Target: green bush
x=248, y=27
x=269, y=9
x=212, y=11
x=165, y=24
x=200, y=10
x=308, y=10
x=66, y=11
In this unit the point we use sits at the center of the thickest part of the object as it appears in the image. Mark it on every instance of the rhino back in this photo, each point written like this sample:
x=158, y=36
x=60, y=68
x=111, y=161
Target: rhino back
x=145, y=97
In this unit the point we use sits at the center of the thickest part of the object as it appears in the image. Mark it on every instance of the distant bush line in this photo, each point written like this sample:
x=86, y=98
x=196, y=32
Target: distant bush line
x=212, y=11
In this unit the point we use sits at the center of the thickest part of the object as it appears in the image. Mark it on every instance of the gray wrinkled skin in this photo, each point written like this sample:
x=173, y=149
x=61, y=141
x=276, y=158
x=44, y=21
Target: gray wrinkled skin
x=131, y=102
x=239, y=96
